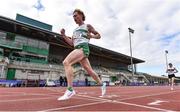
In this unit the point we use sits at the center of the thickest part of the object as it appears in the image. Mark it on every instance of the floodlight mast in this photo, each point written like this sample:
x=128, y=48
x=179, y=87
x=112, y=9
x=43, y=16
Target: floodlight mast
x=166, y=52
x=131, y=31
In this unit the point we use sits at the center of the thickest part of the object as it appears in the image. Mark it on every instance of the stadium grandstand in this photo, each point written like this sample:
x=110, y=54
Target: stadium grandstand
x=30, y=53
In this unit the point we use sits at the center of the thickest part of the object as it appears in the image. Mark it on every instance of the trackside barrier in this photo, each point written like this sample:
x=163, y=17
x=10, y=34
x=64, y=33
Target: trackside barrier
x=11, y=83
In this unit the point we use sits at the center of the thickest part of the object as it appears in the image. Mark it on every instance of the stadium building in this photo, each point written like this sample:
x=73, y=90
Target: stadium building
x=29, y=50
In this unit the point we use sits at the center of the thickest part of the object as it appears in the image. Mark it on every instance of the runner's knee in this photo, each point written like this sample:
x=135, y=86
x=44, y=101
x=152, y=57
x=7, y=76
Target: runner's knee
x=66, y=63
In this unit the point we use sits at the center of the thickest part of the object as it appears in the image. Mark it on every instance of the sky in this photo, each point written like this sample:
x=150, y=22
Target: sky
x=156, y=24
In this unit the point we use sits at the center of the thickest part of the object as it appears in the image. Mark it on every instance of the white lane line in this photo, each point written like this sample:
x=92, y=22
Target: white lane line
x=52, y=89
x=115, y=101
x=100, y=101
x=11, y=93
x=150, y=95
x=162, y=93
x=29, y=94
x=86, y=99
x=29, y=99
x=143, y=106
x=5, y=92
x=53, y=96
x=86, y=96
x=132, y=104
x=156, y=102
x=142, y=96
x=74, y=106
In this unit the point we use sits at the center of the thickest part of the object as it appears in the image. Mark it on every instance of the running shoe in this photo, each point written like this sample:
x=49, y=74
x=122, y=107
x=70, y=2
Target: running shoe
x=172, y=88
x=103, y=88
x=67, y=95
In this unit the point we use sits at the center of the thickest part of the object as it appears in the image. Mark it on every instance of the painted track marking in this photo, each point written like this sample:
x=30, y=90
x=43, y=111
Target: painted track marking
x=105, y=101
x=156, y=102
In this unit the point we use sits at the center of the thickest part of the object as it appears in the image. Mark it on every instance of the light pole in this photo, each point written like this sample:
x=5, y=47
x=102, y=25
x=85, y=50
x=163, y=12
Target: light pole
x=50, y=71
x=131, y=31
x=166, y=52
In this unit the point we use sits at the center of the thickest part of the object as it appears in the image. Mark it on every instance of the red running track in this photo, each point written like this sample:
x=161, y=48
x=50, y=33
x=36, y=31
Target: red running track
x=137, y=98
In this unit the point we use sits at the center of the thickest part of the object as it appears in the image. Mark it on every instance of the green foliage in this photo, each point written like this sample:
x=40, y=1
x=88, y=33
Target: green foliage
x=114, y=78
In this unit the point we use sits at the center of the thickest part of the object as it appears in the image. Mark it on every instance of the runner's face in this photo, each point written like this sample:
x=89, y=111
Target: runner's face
x=77, y=18
x=170, y=65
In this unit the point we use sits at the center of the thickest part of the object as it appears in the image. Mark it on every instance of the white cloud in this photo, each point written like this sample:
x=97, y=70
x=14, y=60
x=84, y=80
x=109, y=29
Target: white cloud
x=152, y=20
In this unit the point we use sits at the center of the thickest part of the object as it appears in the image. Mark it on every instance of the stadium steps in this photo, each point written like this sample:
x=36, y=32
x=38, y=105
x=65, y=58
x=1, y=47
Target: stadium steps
x=35, y=66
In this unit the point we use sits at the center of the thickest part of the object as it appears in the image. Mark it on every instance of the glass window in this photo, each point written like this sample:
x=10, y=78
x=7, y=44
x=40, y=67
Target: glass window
x=32, y=43
x=43, y=45
x=2, y=34
x=21, y=39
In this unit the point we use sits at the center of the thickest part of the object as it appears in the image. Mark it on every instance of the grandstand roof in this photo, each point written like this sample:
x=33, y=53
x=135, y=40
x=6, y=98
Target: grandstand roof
x=14, y=26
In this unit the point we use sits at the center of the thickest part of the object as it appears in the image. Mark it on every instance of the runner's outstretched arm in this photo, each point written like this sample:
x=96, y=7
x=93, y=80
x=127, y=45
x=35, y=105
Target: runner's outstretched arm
x=66, y=38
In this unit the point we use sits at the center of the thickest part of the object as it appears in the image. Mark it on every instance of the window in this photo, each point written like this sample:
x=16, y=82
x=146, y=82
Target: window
x=2, y=35
x=21, y=39
x=43, y=45
x=32, y=43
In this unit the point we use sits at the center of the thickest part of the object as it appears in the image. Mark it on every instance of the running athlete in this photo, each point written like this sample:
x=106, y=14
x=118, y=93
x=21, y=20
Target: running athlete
x=171, y=75
x=80, y=40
